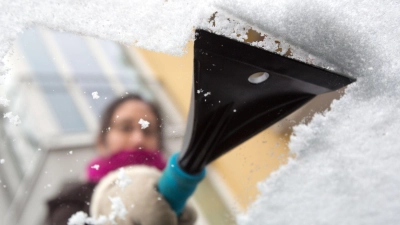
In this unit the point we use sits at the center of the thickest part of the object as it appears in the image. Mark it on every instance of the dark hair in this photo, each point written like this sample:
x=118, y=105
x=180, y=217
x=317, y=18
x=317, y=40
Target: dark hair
x=109, y=112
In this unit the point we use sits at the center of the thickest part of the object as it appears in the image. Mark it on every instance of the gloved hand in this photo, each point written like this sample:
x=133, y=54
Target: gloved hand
x=136, y=187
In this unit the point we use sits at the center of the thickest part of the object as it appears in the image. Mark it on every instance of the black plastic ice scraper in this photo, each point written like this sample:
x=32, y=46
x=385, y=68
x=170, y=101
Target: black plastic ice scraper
x=238, y=91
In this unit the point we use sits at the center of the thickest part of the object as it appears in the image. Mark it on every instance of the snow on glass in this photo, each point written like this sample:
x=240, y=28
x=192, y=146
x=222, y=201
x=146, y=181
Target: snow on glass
x=14, y=119
x=81, y=218
x=346, y=165
x=144, y=123
x=95, y=95
x=123, y=179
x=4, y=102
x=96, y=167
x=345, y=169
x=118, y=210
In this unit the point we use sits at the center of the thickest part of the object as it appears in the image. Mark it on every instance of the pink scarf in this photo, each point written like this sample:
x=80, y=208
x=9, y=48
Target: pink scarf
x=101, y=166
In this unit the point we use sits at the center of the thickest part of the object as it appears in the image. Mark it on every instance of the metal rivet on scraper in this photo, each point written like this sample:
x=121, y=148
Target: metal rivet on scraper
x=259, y=77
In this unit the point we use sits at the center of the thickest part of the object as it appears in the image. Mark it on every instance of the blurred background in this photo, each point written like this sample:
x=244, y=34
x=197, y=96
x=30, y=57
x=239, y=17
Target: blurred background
x=50, y=84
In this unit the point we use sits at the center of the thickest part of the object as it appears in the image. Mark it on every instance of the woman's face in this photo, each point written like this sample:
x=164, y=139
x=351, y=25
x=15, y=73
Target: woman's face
x=125, y=132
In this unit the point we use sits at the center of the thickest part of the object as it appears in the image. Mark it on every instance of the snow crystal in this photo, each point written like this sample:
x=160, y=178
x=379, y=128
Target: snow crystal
x=78, y=218
x=207, y=94
x=81, y=218
x=2, y=161
x=4, y=102
x=123, y=180
x=14, y=119
x=96, y=167
x=144, y=123
x=117, y=209
x=95, y=95
x=92, y=221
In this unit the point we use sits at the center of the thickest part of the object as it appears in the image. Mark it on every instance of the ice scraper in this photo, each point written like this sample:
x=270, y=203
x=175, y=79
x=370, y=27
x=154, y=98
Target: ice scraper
x=238, y=91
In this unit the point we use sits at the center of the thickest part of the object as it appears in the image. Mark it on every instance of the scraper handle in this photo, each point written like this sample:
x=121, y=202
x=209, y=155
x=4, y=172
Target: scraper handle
x=176, y=185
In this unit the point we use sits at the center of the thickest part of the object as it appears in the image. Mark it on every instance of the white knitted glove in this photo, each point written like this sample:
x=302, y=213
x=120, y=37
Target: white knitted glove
x=142, y=204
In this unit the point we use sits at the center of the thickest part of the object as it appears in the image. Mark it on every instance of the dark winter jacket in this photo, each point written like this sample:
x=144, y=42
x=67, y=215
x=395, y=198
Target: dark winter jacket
x=74, y=197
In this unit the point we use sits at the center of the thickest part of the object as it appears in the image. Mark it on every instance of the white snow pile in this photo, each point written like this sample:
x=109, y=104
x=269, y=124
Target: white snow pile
x=14, y=119
x=346, y=165
x=81, y=218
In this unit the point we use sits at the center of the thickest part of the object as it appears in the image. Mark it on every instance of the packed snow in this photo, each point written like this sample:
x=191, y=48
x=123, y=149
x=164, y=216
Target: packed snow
x=346, y=164
x=118, y=209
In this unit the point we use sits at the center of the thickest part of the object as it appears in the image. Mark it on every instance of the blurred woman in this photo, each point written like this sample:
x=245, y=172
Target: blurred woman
x=120, y=182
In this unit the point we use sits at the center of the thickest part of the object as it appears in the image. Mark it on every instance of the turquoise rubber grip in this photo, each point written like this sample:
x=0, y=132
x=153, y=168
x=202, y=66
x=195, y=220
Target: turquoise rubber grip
x=176, y=185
